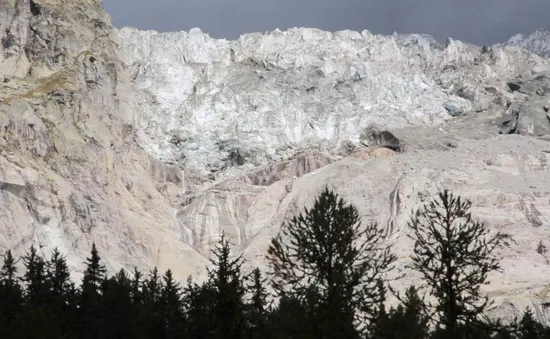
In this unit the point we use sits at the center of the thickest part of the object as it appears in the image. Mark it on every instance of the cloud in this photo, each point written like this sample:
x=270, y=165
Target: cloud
x=475, y=21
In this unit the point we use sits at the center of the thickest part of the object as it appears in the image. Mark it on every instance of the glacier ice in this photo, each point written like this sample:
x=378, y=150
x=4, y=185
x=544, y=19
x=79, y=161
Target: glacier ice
x=209, y=105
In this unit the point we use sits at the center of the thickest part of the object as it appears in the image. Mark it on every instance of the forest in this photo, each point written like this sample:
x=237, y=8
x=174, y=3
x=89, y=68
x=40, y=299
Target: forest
x=327, y=278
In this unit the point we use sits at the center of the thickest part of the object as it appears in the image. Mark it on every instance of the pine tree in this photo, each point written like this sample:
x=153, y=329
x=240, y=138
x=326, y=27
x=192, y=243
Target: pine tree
x=62, y=299
x=410, y=317
x=36, y=319
x=380, y=325
x=11, y=297
x=172, y=307
x=37, y=285
x=226, y=279
x=454, y=255
x=327, y=247
x=58, y=275
x=296, y=316
x=200, y=305
x=117, y=315
x=257, y=307
x=152, y=289
x=136, y=284
x=530, y=328
x=408, y=320
x=89, y=324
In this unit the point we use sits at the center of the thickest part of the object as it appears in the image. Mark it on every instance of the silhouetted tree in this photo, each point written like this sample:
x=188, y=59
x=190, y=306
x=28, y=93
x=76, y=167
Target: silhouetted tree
x=37, y=286
x=90, y=304
x=380, y=325
x=199, y=306
x=36, y=319
x=407, y=320
x=62, y=298
x=327, y=247
x=530, y=328
x=296, y=316
x=257, y=308
x=172, y=307
x=152, y=289
x=118, y=315
x=11, y=298
x=454, y=255
x=226, y=278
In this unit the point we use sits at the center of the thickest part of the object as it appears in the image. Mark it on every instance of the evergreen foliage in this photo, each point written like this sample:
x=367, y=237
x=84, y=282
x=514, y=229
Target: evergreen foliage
x=341, y=266
x=454, y=254
x=327, y=247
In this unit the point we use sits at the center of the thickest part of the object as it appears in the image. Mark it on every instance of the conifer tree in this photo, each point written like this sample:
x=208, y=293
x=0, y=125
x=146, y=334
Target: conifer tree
x=226, y=278
x=62, y=301
x=257, y=307
x=530, y=328
x=90, y=299
x=117, y=309
x=199, y=305
x=454, y=255
x=11, y=297
x=141, y=313
x=408, y=320
x=58, y=275
x=37, y=285
x=296, y=316
x=152, y=289
x=327, y=247
x=380, y=326
x=37, y=320
x=172, y=306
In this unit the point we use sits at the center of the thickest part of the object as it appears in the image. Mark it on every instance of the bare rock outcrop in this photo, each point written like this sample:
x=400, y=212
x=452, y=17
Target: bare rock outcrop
x=70, y=172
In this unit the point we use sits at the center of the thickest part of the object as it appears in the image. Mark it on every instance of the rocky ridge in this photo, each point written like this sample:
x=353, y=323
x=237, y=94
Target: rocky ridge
x=152, y=152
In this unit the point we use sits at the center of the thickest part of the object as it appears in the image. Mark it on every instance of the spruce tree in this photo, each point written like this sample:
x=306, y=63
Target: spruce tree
x=89, y=323
x=152, y=288
x=381, y=326
x=454, y=255
x=226, y=278
x=172, y=307
x=410, y=318
x=37, y=285
x=11, y=297
x=117, y=310
x=58, y=275
x=37, y=318
x=62, y=299
x=141, y=314
x=327, y=247
x=296, y=316
x=199, y=303
x=407, y=320
x=530, y=328
x=257, y=306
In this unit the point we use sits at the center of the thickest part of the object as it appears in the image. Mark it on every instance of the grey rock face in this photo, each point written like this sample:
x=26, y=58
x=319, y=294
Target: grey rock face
x=70, y=172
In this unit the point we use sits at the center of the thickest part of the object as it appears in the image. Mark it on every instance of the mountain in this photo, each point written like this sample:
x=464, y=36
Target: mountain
x=538, y=42
x=153, y=144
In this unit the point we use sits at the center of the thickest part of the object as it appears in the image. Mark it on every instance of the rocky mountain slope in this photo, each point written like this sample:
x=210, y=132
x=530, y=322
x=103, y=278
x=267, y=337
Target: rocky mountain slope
x=70, y=171
x=152, y=144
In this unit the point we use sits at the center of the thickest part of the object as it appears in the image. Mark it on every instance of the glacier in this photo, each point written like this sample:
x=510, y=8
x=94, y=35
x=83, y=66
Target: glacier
x=211, y=105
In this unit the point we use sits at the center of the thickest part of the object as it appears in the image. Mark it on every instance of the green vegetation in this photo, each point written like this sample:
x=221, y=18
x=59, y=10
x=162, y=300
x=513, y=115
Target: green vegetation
x=326, y=270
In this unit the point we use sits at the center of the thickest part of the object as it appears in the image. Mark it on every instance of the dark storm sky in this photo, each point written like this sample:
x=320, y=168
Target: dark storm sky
x=475, y=21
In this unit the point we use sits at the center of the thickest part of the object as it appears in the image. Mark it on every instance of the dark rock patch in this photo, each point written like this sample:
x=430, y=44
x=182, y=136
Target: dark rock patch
x=514, y=86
